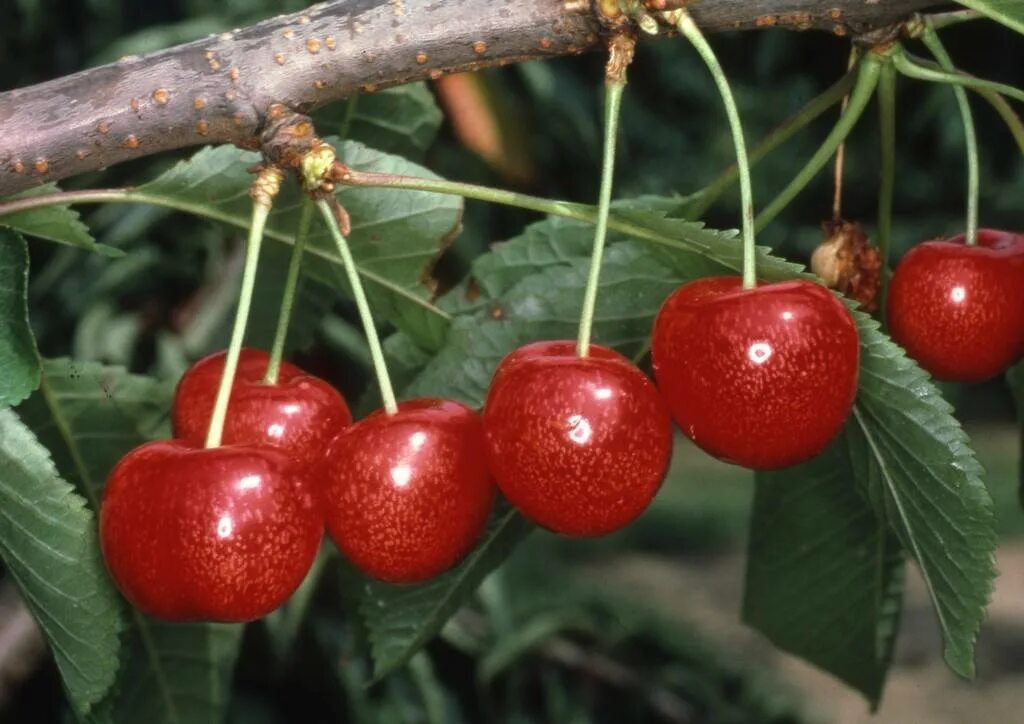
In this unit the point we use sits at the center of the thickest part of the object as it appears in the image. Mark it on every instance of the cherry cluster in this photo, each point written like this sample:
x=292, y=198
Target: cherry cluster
x=580, y=444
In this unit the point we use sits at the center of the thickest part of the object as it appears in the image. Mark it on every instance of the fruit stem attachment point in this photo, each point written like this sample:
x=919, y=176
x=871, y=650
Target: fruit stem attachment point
x=887, y=182
x=288, y=298
x=620, y=55
x=689, y=29
x=264, y=189
x=329, y=209
x=931, y=40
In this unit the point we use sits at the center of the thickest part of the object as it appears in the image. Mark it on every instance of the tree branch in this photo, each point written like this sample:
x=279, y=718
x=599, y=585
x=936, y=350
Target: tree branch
x=219, y=89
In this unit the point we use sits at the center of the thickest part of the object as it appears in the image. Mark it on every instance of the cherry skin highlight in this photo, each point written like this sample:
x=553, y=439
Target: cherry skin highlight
x=578, y=445
x=219, y=534
x=958, y=310
x=763, y=378
x=301, y=413
x=408, y=495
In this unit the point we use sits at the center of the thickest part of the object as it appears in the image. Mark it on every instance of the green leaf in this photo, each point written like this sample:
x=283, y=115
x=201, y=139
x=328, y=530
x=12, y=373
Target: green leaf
x=403, y=120
x=913, y=461
x=824, y=576
x=174, y=674
x=54, y=223
x=396, y=235
x=400, y=620
x=1008, y=12
x=19, y=360
x=48, y=544
x=89, y=415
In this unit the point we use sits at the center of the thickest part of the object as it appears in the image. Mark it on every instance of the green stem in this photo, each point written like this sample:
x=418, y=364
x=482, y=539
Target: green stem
x=887, y=138
x=955, y=17
x=288, y=299
x=387, y=393
x=613, y=102
x=913, y=68
x=931, y=39
x=252, y=256
x=867, y=79
x=689, y=29
x=782, y=133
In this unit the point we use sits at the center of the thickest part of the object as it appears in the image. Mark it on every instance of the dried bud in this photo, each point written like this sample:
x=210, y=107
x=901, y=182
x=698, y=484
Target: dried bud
x=847, y=262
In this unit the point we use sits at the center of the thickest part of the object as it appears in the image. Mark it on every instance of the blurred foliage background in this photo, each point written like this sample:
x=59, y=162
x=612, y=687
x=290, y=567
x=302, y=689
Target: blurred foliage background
x=526, y=651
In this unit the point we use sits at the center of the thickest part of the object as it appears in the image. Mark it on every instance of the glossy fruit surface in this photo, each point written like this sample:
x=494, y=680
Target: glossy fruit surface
x=959, y=310
x=224, y=534
x=301, y=413
x=764, y=377
x=578, y=445
x=408, y=495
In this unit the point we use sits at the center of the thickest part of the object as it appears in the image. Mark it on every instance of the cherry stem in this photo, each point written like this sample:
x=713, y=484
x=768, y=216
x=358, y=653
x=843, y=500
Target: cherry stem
x=288, y=298
x=867, y=79
x=914, y=68
x=931, y=40
x=620, y=54
x=775, y=138
x=954, y=17
x=887, y=182
x=387, y=393
x=837, y=181
x=689, y=29
x=264, y=188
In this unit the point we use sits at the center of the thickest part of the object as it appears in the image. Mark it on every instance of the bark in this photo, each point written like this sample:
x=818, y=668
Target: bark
x=218, y=90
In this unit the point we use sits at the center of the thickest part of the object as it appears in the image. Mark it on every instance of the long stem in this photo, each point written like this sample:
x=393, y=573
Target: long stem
x=954, y=17
x=867, y=79
x=931, y=39
x=689, y=29
x=288, y=298
x=837, y=180
x=775, y=138
x=387, y=393
x=227, y=379
x=912, y=68
x=614, y=86
x=887, y=184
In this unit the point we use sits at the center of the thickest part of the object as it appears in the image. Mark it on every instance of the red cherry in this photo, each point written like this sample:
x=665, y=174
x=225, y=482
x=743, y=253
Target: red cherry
x=219, y=534
x=580, y=445
x=959, y=310
x=762, y=377
x=300, y=413
x=408, y=495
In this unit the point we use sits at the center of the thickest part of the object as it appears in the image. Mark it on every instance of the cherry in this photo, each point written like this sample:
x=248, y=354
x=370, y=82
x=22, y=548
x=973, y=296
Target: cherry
x=959, y=310
x=762, y=377
x=218, y=534
x=580, y=445
x=300, y=413
x=407, y=495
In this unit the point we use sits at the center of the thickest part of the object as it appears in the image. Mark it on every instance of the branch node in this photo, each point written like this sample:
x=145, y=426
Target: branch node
x=266, y=186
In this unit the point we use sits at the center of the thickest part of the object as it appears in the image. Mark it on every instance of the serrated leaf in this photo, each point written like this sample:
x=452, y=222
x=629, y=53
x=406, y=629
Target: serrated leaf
x=48, y=544
x=54, y=223
x=19, y=360
x=174, y=674
x=913, y=461
x=400, y=620
x=824, y=576
x=403, y=120
x=89, y=415
x=1008, y=12
x=396, y=235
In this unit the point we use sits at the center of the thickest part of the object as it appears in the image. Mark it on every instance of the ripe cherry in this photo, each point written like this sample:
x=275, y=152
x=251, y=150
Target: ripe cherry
x=580, y=445
x=959, y=310
x=763, y=377
x=408, y=495
x=219, y=534
x=301, y=413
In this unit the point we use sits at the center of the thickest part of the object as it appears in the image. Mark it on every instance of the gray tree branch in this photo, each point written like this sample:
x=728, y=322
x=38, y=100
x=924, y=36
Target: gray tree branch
x=218, y=90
